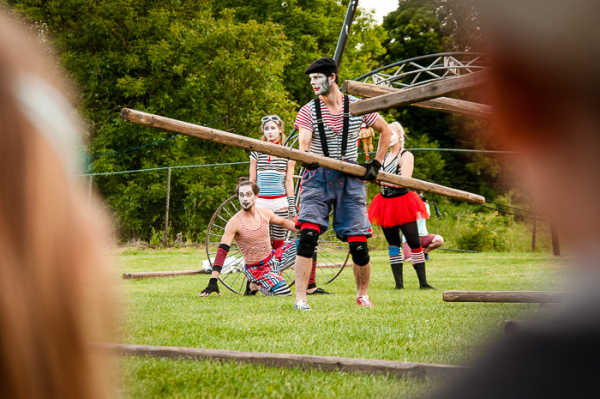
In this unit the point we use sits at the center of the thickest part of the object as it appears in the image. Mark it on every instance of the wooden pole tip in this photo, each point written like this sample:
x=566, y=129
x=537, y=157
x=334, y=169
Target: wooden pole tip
x=345, y=87
x=124, y=114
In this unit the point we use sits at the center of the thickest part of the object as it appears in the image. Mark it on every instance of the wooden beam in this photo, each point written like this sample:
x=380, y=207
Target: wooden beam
x=417, y=94
x=219, y=136
x=141, y=275
x=306, y=362
x=334, y=265
x=135, y=276
x=505, y=296
x=443, y=104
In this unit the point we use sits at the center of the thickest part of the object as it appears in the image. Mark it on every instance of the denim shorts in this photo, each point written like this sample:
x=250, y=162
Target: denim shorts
x=324, y=190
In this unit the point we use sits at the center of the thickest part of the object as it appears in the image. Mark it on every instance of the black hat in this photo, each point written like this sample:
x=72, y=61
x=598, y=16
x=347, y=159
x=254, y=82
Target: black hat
x=324, y=65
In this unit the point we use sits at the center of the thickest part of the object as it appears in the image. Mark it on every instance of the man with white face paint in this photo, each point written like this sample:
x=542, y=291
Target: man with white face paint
x=250, y=230
x=326, y=128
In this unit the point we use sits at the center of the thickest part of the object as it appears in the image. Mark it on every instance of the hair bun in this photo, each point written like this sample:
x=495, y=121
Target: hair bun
x=243, y=179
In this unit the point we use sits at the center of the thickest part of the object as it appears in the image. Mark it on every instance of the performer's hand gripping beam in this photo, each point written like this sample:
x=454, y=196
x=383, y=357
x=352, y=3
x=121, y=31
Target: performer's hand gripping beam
x=235, y=140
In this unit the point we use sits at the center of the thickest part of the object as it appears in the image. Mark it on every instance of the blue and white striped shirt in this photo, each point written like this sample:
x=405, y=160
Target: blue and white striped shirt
x=270, y=174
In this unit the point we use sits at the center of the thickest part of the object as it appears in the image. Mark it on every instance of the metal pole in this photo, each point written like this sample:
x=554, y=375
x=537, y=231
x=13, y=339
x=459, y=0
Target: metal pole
x=345, y=32
x=167, y=206
x=90, y=191
x=555, y=243
x=534, y=233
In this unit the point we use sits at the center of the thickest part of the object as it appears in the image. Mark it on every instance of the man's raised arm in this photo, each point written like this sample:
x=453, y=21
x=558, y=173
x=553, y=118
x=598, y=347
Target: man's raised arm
x=385, y=134
x=304, y=139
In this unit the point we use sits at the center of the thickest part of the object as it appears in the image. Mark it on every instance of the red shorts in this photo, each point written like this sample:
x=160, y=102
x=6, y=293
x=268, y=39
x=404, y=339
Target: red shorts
x=425, y=242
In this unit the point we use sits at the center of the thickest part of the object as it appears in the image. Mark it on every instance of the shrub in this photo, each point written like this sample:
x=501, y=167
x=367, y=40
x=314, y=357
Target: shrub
x=484, y=232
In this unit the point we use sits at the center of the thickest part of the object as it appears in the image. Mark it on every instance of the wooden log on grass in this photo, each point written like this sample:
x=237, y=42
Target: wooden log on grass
x=306, y=362
x=505, y=296
x=443, y=104
x=333, y=265
x=417, y=94
x=234, y=140
x=141, y=275
x=135, y=276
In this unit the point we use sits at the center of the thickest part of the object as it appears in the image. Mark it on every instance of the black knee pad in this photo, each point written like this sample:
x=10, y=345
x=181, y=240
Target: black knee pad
x=308, y=242
x=360, y=253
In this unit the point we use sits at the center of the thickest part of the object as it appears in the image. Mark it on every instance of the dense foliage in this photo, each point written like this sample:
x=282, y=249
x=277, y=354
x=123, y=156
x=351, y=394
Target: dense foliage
x=194, y=61
x=229, y=62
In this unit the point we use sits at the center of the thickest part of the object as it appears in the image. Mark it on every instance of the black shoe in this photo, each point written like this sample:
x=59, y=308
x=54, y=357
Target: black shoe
x=399, y=287
x=426, y=287
x=248, y=291
x=318, y=291
x=427, y=257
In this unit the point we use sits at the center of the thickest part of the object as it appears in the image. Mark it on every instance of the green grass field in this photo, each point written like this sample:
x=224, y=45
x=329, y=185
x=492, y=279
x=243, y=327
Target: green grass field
x=409, y=325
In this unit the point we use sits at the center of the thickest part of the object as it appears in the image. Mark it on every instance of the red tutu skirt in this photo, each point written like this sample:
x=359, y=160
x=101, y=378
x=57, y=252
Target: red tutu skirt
x=389, y=212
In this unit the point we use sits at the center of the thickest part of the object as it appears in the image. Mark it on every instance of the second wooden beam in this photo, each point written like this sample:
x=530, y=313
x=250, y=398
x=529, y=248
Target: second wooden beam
x=443, y=104
x=417, y=94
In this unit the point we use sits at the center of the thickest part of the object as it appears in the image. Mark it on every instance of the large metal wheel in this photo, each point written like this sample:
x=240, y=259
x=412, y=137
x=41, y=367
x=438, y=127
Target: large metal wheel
x=332, y=254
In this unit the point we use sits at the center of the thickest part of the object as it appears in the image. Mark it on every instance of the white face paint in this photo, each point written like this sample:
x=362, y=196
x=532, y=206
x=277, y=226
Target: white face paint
x=246, y=197
x=394, y=139
x=271, y=131
x=320, y=83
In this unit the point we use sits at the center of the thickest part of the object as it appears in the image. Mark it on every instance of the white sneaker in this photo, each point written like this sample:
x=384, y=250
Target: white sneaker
x=364, y=301
x=301, y=305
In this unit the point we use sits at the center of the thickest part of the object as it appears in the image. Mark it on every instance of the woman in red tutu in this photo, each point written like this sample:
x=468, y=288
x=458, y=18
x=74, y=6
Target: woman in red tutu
x=396, y=210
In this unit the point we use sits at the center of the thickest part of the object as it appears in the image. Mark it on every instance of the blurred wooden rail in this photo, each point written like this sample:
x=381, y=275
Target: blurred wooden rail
x=305, y=362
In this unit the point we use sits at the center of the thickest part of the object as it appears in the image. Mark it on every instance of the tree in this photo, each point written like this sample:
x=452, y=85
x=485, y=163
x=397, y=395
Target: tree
x=173, y=59
x=423, y=27
x=313, y=27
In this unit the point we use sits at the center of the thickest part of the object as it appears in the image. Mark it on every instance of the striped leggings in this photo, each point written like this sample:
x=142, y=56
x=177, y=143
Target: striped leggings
x=278, y=232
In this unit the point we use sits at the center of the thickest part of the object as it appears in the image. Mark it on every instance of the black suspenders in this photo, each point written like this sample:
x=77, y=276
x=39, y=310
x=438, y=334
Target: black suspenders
x=321, y=127
x=346, y=125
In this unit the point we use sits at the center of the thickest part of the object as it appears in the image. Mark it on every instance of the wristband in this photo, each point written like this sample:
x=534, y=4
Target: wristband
x=213, y=280
x=220, y=258
x=291, y=203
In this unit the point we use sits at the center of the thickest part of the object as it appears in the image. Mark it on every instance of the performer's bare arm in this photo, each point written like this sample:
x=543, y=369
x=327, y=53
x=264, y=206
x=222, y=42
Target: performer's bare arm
x=289, y=179
x=304, y=139
x=253, y=169
x=408, y=165
x=232, y=229
x=278, y=220
x=385, y=134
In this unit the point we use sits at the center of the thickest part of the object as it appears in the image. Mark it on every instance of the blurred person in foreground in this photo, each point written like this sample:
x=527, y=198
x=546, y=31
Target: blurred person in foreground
x=52, y=276
x=545, y=87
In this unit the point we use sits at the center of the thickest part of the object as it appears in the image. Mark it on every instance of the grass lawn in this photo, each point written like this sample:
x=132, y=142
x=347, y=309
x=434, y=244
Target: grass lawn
x=409, y=325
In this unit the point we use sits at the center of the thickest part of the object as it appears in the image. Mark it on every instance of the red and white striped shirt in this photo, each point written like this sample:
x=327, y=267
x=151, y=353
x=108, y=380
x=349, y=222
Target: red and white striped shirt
x=254, y=244
x=333, y=124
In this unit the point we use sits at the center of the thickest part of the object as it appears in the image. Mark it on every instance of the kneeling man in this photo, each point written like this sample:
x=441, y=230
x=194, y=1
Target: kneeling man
x=250, y=229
